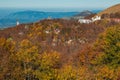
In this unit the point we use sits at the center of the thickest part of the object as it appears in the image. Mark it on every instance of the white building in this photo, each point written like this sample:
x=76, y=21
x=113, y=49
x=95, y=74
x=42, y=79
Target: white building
x=87, y=21
x=96, y=18
x=47, y=31
x=17, y=23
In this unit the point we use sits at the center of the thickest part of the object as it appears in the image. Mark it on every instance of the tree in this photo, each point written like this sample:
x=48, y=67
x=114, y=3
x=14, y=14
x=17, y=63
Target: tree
x=27, y=64
x=67, y=72
x=47, y=69
x=109, y=43
x=23, y=63
x=6, y=48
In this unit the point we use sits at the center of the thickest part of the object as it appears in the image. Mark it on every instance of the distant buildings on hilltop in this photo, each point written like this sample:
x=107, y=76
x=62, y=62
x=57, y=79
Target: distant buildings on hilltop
x=87, y=21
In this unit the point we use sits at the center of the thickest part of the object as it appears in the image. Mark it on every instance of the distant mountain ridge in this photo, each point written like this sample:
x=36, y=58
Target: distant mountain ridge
x=31, y=16
x=39, y=14
x=84, y=13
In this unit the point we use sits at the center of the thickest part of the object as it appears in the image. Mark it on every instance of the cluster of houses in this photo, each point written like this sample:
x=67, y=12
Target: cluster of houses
x=87, y=21
x=96, y=18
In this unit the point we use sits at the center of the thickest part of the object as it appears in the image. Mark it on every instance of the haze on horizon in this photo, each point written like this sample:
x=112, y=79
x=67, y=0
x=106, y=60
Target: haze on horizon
x=58, y=4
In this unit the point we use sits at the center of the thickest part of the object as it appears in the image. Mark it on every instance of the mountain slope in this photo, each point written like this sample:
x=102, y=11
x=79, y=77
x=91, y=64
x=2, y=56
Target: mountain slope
x=72, y=35
x=113, y=9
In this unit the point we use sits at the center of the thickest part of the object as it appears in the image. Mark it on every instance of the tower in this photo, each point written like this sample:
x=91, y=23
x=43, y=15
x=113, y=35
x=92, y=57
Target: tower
x=17, y=23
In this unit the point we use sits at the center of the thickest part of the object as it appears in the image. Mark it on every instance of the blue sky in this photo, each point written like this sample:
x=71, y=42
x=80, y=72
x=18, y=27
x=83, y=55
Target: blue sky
x=58, y=3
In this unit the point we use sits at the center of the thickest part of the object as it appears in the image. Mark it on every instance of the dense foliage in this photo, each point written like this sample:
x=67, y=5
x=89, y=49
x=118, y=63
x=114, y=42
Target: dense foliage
x=60, y=50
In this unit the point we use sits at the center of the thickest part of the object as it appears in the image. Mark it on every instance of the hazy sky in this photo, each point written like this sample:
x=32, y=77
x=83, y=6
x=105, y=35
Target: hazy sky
x=58, y=3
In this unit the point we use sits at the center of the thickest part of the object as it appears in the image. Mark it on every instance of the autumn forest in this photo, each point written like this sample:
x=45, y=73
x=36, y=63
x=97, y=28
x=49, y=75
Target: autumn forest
x=63, y=49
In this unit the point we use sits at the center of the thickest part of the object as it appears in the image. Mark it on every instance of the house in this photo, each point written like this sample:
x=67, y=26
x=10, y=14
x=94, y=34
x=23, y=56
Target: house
x=96, y=18
x=47, y=31
x=87, y=21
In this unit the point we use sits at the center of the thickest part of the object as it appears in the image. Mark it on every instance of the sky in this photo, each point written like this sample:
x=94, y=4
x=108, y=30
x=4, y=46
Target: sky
x=57, y=3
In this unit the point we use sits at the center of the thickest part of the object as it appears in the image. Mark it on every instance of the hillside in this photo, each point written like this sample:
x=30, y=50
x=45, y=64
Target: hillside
x=60, y=49
x=60, y=35
x=70, y=30
x=60, y=45
x=111, y=10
